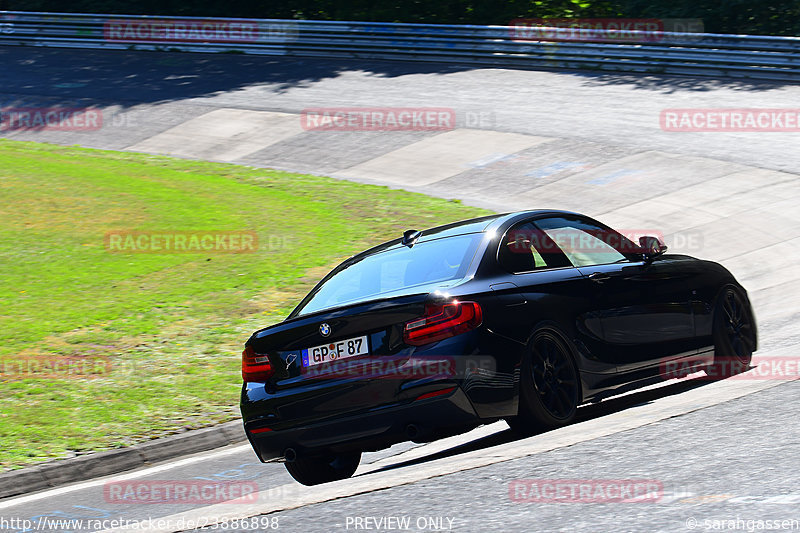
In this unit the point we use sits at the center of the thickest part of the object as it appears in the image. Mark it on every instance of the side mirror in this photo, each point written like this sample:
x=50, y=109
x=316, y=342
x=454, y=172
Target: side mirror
x=652, y=247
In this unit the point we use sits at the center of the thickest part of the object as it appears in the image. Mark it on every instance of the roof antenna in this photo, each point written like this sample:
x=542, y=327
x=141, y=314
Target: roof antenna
x=410, y=237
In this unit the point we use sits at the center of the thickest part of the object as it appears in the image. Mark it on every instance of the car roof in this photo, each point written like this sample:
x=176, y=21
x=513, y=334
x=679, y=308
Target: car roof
x=468, y=226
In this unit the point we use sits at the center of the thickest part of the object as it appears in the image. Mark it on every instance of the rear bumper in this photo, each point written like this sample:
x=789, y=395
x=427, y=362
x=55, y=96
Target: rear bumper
x=380, y=427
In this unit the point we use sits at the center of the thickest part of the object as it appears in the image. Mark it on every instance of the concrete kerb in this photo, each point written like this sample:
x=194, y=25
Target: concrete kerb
x=85, y=467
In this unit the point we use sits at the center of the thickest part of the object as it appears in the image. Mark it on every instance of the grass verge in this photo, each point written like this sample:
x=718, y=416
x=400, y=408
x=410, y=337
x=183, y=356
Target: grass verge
x=159, y=334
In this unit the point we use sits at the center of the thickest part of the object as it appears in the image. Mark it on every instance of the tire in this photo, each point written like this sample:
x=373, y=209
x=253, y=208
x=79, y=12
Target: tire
x=734, y=334
x=319, y=469
x=549, y=386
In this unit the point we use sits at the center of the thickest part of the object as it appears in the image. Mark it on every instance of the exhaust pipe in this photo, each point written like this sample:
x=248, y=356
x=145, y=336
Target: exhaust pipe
x=412, y=431
x=290, y=455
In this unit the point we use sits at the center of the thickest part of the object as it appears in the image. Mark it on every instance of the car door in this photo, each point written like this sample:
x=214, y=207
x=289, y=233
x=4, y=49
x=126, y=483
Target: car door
x=643, y=306
x=541, y=285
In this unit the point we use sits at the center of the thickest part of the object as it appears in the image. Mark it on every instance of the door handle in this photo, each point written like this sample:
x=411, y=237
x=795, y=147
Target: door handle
x=599, y=277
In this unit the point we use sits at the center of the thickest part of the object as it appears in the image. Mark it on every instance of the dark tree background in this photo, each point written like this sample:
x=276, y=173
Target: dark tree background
x=764, y=17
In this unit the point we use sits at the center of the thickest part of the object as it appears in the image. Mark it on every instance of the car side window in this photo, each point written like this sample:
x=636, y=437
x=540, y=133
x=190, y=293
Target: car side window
x=526, y=248
x=586, y=243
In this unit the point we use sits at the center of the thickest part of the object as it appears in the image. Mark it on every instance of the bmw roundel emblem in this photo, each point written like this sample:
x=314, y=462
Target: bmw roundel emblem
x=324, y=329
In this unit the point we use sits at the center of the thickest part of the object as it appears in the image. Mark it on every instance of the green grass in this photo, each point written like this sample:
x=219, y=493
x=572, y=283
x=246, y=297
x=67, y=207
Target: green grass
x=170, y=326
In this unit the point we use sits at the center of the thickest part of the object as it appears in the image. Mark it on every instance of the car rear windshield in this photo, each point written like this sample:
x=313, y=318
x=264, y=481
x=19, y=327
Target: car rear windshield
x=393, y=270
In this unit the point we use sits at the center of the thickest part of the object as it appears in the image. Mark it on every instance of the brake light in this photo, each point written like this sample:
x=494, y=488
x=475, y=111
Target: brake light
x=255, y=366
x=443, y=321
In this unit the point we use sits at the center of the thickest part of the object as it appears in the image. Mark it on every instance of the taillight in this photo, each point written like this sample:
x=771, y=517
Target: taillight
x=443, y=321
x=255, y=366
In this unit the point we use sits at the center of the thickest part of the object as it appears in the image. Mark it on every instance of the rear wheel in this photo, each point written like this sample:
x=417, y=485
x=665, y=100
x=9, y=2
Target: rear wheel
x=734, y=334
x=317, y=469
x=549, y=386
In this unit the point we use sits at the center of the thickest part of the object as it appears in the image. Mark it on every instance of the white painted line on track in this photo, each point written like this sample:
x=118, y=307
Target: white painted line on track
x=202, y=456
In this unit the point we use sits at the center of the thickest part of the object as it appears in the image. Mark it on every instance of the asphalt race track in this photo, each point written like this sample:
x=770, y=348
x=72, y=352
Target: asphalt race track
x=718, y=451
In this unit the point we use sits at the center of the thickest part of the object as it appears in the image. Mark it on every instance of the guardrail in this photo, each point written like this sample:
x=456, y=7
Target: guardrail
x=660, y=52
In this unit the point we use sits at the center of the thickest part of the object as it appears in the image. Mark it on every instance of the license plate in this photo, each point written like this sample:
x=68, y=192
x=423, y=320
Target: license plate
x=334, y=351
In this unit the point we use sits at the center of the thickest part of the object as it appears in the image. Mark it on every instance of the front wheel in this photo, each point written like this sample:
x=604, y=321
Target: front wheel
x=314, y=470
x=734, y=334
x=549, y=386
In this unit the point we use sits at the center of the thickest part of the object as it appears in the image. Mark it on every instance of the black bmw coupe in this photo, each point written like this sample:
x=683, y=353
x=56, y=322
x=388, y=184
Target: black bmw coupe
x=520, y=316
